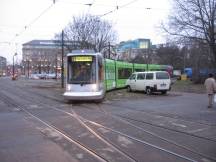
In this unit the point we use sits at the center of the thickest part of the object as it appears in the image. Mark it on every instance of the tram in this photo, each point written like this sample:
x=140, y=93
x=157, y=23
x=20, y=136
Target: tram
x=89, y=75
x=85, y=76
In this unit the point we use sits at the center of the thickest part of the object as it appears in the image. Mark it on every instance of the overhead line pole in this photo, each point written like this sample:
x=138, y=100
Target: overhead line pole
x=62, y=60
x=109, y=49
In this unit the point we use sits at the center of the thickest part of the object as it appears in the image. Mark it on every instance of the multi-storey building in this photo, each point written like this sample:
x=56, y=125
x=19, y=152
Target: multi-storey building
x=3, y=66
x=41, y=56
x=130, y=50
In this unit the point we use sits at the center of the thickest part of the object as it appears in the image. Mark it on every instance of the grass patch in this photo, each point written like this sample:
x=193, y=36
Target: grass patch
x=188, y=86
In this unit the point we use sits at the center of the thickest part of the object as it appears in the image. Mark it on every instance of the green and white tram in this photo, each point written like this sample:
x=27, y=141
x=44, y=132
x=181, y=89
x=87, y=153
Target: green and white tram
x=89, y=75
x=85, y=76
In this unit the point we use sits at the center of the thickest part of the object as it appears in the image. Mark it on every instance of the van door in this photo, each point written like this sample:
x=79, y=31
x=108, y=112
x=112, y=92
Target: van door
x=140, y=83
x=132, y=81
x=163, y=80
x=149, y=80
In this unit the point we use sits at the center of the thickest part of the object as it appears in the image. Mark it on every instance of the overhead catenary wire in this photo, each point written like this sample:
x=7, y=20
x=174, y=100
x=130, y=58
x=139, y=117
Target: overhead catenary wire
x=118, y=7
x=34, y=20
x=93, y=3
x=115, y=6
x=90, y=5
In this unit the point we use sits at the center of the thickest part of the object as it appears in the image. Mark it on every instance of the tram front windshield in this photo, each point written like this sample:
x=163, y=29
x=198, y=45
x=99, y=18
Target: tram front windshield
x=81, y=69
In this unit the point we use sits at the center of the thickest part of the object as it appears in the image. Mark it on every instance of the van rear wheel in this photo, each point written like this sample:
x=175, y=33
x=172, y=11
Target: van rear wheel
x=148, y=91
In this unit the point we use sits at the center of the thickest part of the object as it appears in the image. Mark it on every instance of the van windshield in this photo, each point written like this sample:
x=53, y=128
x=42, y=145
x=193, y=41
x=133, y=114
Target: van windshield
x=162, y=75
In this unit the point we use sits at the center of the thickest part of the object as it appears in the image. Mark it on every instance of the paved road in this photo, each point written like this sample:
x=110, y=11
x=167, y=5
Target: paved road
x=36, y=125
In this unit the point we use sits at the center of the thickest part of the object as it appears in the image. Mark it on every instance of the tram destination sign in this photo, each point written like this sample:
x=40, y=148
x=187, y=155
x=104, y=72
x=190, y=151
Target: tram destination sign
x=81, y=58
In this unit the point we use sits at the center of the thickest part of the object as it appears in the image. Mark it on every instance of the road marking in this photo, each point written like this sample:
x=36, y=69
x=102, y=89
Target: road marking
x=179, y=125
x=197, y=130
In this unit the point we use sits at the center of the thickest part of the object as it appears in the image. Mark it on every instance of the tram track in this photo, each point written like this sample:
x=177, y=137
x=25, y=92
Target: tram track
x=144, y=122
x=160, y=137
x=85, y=121
x=122, y=119
x=60, y=100
x=77, y=143
x=168, y=115
x=67, y=136
x=176, y=117
x=153, y=134
x=160, y=126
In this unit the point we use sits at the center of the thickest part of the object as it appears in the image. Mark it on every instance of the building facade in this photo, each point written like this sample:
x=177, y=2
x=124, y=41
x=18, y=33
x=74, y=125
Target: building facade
x=130, y=50
x=3, y=66
x=41, y=56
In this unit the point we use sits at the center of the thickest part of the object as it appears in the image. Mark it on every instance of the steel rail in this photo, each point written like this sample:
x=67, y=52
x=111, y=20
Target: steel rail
x=128, y=136
x=77, y=143
x=142, y=130
x=82, y=123
x=155, y=135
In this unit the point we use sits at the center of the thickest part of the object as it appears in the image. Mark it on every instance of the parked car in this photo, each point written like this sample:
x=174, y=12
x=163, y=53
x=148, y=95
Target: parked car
x=51, y=76
x=34, y=76
x=151, y=81
x=42, y=76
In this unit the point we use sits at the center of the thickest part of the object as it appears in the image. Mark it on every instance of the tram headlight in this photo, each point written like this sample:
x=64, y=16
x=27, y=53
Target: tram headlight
x=94, y=87
x=68, y=87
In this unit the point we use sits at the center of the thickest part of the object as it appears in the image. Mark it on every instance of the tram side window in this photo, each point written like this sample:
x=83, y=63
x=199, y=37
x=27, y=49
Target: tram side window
x=139, y=70
x=124, y=73
x=110, y=73
x=155, y=69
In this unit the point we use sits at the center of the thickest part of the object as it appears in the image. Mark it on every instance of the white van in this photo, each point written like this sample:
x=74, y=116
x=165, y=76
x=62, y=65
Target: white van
x=151, y=81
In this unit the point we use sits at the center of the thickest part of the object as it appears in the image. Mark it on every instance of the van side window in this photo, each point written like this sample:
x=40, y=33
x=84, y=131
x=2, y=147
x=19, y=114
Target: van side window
x=149, y=76
x=140, y=76
x=162, y=75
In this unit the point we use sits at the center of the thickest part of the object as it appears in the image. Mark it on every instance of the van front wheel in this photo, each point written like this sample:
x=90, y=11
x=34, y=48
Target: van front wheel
x=148, y=91
x=129, y=89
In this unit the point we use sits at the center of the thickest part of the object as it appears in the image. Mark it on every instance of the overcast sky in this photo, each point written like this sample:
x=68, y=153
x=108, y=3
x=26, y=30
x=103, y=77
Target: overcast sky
x=24, y=20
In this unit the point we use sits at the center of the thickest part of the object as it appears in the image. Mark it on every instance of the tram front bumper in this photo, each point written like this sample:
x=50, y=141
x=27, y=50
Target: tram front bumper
x=84, y=95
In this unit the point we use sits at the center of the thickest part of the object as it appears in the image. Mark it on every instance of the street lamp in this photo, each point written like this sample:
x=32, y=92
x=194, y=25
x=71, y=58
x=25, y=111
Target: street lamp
x=28, y=61
x=13, y=78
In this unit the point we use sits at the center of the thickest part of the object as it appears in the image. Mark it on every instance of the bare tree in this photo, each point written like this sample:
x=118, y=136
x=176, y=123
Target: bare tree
x=194, y=20
x=170, y=55
x=89, y=32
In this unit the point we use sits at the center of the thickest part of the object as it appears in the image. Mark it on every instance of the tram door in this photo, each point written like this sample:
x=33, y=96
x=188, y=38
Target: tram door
x=100, y=71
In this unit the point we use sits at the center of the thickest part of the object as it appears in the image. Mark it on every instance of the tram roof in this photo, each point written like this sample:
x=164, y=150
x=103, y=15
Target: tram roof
x=83, y=52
